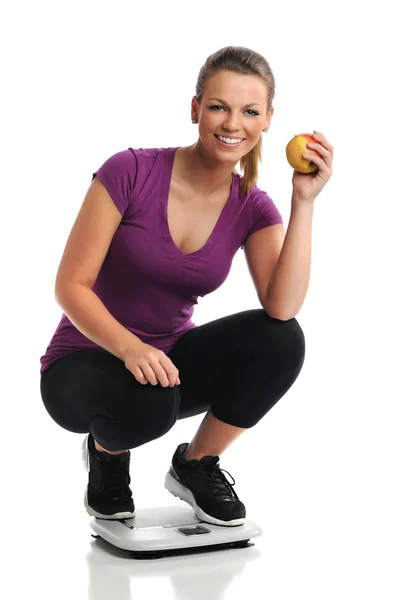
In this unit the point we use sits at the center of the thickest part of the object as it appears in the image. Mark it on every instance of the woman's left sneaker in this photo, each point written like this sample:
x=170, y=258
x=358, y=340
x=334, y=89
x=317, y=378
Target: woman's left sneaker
x=203, y=486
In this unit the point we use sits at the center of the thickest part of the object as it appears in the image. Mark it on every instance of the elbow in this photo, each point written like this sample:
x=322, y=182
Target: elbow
x=275, y=310
x=277, y=317
x=63, y=291
x=280, y=316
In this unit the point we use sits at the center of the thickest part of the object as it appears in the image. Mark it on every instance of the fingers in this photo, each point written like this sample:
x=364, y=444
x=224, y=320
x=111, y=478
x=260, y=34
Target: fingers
x=321, y=136
x=319, y=148
x=323, y=147
x=323, y=141
x=156, y=373
x=141, y=378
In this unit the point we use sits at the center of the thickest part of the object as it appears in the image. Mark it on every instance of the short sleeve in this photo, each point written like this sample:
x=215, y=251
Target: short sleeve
x=118, y=175
x=264, y=213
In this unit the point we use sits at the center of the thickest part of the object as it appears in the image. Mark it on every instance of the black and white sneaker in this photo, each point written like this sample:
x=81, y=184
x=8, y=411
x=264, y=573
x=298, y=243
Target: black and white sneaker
x=203, y=486
x=108, y=495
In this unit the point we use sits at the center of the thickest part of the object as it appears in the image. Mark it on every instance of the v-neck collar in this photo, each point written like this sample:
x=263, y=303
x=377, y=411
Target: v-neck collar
x=217, y=230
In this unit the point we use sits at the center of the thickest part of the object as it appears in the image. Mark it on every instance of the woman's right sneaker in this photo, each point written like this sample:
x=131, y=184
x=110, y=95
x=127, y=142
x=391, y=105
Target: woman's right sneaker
x=108, y=495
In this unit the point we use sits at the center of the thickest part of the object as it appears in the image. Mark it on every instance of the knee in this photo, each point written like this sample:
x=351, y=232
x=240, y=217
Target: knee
x=140, y=422
x=288, y=336
x=166, y=413
x=293, y=340
x=296, y=334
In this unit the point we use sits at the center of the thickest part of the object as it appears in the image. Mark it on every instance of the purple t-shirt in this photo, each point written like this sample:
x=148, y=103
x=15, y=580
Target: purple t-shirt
x=146, y=282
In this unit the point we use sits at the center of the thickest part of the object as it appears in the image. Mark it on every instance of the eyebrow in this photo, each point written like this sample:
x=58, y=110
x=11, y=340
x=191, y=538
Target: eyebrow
x=223, y=102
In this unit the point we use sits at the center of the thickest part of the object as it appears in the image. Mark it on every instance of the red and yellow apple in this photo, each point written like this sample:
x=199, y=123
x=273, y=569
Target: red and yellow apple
x=296, y=148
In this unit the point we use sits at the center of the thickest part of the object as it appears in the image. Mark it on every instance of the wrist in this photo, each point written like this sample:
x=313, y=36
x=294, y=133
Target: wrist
x=300, y=200
x=131, y=343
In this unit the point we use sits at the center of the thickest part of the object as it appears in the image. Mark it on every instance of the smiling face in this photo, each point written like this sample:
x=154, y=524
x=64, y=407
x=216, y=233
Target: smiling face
x=233, y=106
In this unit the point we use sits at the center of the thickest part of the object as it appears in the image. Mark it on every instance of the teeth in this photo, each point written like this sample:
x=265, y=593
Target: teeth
x=229, y=140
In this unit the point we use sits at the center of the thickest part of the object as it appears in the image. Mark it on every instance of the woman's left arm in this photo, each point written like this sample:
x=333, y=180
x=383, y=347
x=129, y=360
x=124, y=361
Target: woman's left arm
x=290, y=280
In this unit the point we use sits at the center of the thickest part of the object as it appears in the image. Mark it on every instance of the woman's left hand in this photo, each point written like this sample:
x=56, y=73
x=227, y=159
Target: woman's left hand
x=306, y=186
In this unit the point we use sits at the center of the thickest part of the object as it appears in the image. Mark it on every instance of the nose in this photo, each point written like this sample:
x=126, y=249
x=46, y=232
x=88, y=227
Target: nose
x=231, y=122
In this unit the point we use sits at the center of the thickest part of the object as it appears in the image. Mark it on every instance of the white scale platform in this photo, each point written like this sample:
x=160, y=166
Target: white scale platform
x=162, y=531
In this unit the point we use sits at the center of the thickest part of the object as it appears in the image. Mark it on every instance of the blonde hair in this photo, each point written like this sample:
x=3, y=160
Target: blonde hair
x=246, y=62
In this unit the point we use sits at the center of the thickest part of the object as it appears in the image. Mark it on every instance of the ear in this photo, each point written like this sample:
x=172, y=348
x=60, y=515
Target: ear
x=268, y=118
x=194, y=107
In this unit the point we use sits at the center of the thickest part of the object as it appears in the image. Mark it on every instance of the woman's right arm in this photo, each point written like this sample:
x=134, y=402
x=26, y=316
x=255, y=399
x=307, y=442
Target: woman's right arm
x=84, y=254
x=89, y=315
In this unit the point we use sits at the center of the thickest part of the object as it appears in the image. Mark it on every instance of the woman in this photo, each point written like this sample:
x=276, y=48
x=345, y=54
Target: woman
x=158, y=228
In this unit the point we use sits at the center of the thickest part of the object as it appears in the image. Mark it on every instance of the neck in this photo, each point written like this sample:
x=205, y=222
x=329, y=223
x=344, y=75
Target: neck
x=205, y=173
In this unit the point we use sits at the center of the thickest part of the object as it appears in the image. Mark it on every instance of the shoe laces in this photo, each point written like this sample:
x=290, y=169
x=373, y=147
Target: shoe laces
x=118, y=477
x=221, y=487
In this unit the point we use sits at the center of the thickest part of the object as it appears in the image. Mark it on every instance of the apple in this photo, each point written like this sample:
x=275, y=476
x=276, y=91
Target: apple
x=296, y=148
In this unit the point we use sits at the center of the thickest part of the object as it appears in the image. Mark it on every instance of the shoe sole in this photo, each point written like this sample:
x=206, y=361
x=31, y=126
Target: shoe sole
x=89, y=509
x=179, y=491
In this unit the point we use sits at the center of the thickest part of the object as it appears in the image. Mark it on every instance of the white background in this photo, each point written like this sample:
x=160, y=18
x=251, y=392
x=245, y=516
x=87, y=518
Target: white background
x=83, y=80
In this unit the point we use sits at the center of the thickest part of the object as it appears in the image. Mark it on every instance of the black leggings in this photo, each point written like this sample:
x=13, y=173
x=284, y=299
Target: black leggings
x=238, y=366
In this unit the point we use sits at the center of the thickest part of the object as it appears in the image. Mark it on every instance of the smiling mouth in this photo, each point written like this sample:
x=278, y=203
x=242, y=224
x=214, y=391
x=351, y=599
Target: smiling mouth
x=230, y=143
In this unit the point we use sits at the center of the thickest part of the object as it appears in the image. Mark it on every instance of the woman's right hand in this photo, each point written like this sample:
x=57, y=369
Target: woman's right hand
x=150, y=365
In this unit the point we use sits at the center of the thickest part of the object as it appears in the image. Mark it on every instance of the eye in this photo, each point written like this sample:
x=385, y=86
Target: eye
x=248, y=110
